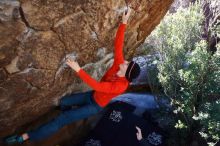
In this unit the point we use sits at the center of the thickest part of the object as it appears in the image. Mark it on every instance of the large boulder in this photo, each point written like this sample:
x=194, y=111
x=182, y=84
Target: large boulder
x=37, y=35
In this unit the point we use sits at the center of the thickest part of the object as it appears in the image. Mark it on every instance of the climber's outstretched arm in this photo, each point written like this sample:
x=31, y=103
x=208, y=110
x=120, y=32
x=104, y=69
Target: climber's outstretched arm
x=108, y=87
x=118, y=42
x=119, y=39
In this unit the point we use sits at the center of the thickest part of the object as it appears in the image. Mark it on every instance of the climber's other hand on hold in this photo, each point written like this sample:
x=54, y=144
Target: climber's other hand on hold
x=73, y=64
x=126, y=15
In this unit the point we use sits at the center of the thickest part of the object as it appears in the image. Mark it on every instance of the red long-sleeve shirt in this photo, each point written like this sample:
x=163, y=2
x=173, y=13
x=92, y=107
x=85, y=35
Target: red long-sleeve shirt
x=110, y=85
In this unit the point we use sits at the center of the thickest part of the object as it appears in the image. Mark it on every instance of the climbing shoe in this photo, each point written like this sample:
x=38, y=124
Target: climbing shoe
x=14, y=139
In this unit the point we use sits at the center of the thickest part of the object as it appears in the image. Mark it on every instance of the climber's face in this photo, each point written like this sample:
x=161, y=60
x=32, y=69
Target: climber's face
x=122, y=69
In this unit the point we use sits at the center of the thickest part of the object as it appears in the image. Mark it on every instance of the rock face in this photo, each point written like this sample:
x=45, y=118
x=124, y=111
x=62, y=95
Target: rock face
x=211, y=10
x=180, y=3
x=37, y=35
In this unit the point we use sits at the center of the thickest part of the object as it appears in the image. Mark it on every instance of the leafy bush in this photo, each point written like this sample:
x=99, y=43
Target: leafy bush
x=188, y=73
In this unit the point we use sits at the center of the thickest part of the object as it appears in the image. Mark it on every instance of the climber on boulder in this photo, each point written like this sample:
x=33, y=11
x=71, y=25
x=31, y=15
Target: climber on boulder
x=113, y=83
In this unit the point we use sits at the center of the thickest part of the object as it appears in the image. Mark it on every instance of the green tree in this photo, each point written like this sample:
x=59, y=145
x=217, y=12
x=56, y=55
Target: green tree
x=188, y=73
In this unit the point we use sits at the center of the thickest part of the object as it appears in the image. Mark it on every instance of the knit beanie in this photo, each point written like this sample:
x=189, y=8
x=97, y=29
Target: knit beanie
x=132, y=71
